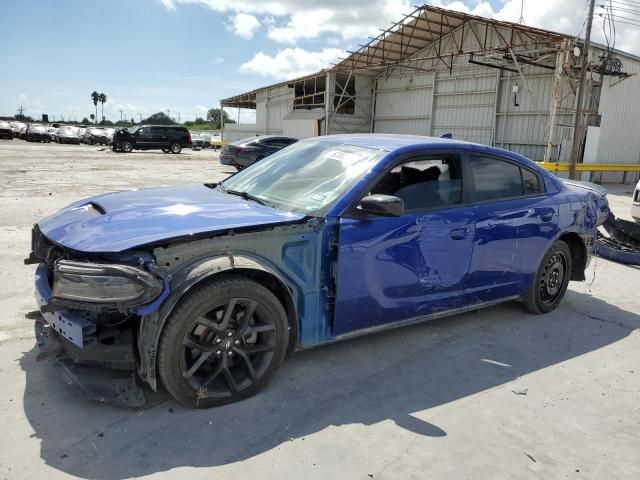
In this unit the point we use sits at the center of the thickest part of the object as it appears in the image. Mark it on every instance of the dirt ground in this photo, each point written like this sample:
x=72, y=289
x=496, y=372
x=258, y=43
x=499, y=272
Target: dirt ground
x=492, y=394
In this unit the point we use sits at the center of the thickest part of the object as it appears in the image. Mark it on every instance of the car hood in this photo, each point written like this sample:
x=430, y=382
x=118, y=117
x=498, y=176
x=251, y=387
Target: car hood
x=119, y=221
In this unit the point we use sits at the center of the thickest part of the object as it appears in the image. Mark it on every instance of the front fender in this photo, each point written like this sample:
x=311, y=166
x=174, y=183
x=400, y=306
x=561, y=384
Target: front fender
x=182, y=281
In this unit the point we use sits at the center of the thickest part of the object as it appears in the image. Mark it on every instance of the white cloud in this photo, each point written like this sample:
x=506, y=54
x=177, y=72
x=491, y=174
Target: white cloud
x=201, y=108
x=564, y=17
x=217, y=60
x=291, y=62
x=291, y=20
x=244, y=25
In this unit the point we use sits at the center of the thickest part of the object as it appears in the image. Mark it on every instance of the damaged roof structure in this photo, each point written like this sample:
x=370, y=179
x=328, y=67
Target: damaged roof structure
x=489, y=81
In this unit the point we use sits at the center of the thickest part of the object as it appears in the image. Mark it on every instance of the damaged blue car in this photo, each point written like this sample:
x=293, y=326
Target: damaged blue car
x=206, y=289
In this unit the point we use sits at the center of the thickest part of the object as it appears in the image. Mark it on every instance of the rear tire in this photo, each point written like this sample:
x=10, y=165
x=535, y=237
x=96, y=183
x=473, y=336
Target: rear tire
x=551, y=280
x=166, y=149
x=175, y=147
x=242, y=331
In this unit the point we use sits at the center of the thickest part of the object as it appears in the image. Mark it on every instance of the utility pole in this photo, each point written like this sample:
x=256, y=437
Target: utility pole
x=20, y=111
x=121, y=112
x=578, y=125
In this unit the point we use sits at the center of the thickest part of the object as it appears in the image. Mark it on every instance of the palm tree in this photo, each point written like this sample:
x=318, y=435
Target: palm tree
x=102, y=98
x=95, y=97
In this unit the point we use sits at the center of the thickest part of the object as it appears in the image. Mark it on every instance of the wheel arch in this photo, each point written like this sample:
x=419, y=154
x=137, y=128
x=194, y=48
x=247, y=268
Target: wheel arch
x=579, y=254
x=204, y=270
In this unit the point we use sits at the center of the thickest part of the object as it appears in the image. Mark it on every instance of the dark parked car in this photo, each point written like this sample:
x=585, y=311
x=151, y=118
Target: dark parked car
x=168, y=138
x=250, y=150
x=37, y=133
x=67, y=135
x=204, y=289
x=96, y=136
x=5, y=130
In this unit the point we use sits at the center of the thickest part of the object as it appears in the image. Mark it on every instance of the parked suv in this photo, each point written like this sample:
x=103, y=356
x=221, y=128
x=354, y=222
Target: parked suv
x=168, y=138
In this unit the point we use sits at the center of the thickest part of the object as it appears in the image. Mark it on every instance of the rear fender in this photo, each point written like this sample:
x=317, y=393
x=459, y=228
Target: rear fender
x=186, y=279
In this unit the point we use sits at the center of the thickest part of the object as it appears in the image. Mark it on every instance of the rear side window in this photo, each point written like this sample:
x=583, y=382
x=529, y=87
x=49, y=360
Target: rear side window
x=495, y=179
x=531, y=182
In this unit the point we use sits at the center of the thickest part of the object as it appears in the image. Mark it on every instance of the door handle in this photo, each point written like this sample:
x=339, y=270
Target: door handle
x=459, y=233
x=546, y=215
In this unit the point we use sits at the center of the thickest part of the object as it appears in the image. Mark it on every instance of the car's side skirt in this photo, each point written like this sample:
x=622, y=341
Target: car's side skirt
x=424, y=318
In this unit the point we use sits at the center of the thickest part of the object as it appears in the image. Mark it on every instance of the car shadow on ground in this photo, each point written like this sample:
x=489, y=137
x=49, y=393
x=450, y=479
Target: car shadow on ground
x=389, y=376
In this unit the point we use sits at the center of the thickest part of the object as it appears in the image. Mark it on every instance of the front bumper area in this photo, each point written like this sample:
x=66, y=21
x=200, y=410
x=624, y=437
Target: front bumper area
x=118, y=387
x=98, y=362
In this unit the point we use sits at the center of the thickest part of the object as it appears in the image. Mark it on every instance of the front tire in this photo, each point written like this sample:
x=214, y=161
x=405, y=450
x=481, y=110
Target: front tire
x=126, y=146
x=223, y=343
x=551, y=280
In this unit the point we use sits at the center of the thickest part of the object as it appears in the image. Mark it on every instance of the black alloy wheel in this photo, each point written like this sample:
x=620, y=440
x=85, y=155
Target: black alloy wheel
x=223, y=343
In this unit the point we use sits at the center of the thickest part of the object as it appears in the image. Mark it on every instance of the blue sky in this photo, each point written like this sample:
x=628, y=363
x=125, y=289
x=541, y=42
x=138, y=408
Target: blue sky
x=185, y=55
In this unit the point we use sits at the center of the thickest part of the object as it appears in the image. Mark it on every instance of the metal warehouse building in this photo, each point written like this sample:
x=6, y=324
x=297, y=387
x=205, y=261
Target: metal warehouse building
x=483, y=80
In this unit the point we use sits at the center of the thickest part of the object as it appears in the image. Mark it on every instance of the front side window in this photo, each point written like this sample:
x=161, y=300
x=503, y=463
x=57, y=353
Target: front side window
x=424, y=183
x=308, y=178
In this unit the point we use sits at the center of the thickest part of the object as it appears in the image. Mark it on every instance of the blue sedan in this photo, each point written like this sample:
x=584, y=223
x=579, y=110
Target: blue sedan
x=207, y=288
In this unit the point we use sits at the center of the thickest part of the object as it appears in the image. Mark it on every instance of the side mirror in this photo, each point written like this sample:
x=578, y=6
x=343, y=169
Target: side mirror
x=378, y=204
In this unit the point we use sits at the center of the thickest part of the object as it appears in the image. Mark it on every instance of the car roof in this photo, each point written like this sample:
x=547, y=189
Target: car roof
x=393, y=142
x=389, y=142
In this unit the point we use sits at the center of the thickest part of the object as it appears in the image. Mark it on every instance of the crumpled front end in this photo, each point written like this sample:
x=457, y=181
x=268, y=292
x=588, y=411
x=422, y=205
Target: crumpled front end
x=89, y=312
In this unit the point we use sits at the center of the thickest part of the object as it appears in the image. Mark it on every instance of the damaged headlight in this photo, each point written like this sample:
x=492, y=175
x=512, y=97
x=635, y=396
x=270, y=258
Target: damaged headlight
x=104, y=283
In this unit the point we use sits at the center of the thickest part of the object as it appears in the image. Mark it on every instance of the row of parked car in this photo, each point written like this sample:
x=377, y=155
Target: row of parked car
x=143, y=137
x=37, y=132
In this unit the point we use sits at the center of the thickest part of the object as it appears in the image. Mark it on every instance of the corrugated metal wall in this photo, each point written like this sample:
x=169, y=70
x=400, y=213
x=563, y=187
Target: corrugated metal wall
x=271, y=106
x=403, y=104
x=620, y=120
x=464, y=104
x=474, y=103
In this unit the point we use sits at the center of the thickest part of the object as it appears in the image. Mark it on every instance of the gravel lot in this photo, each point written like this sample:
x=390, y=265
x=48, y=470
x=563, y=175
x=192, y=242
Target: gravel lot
x=492, y=394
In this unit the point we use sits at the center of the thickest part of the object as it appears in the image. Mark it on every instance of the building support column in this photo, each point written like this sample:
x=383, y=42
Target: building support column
x=555, y=100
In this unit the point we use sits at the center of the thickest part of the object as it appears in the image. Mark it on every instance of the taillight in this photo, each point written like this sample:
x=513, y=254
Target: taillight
x=190, y=138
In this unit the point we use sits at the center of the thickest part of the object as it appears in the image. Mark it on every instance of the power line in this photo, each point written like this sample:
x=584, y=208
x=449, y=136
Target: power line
x=627, y=23
x=626, y=10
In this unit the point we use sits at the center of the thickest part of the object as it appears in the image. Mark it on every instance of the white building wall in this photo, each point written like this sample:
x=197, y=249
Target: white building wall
x=301, y=128
x=272, y=105
x=237, y=131
x=473, y=102
x=620, y=120
x=403, y=104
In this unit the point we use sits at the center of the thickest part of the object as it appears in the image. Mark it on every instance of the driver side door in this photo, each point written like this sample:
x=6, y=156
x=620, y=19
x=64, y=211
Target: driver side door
x=395, y=269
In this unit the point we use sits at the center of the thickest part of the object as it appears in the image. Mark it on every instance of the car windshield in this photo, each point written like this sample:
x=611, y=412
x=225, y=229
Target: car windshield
x=307, y=177
x=37, y=128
